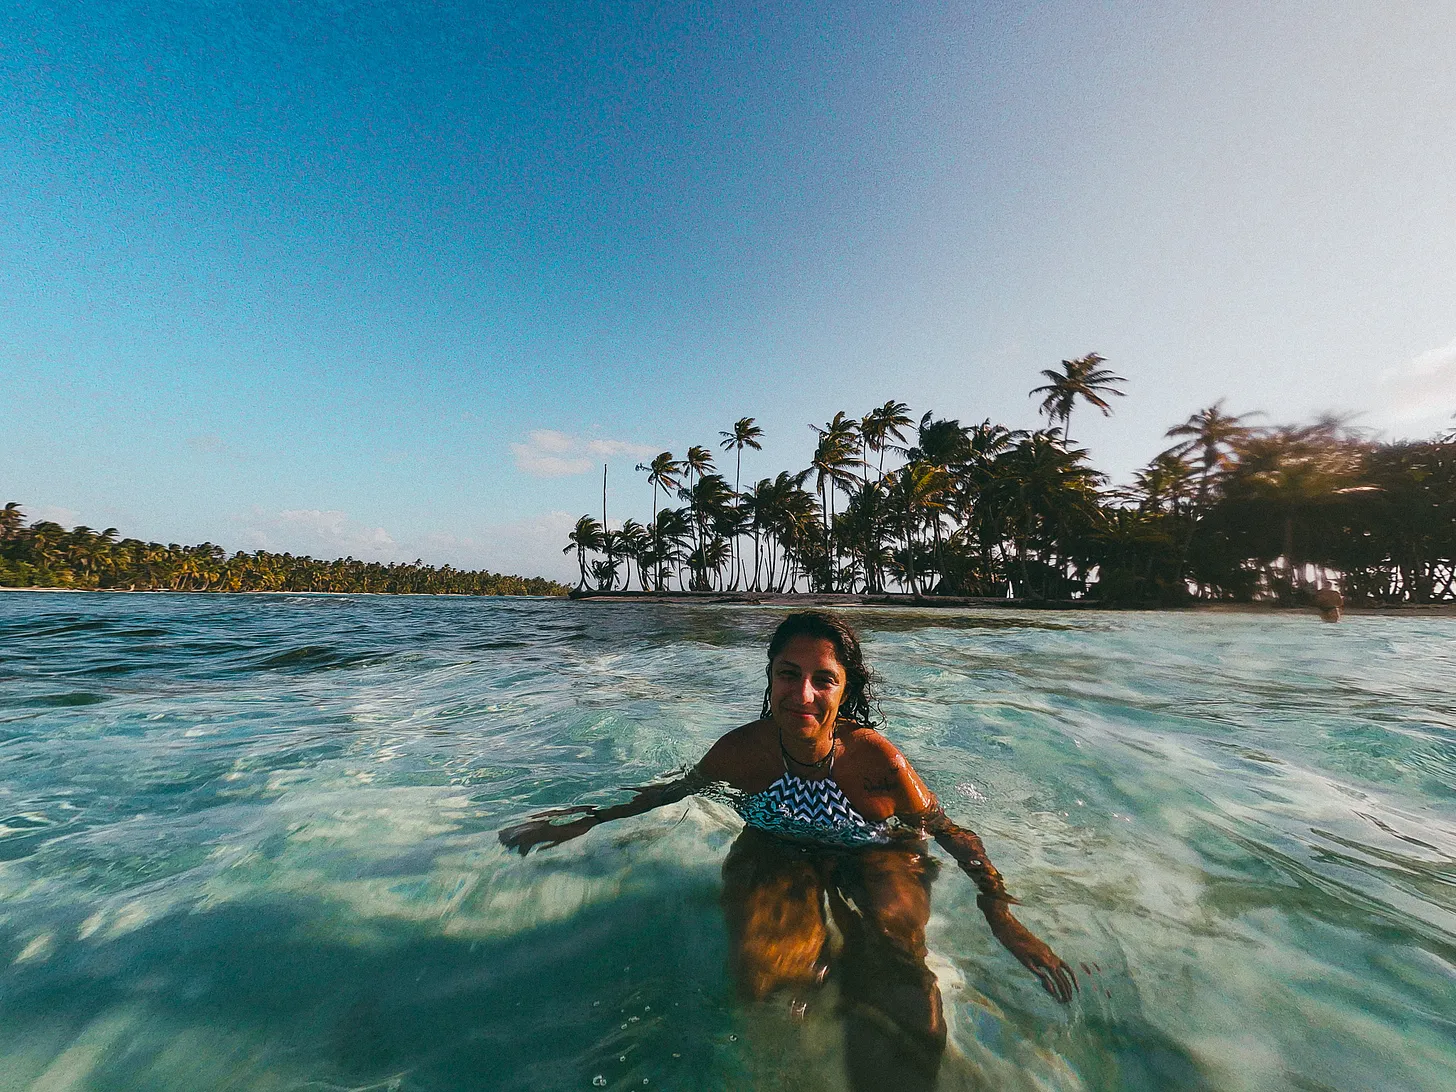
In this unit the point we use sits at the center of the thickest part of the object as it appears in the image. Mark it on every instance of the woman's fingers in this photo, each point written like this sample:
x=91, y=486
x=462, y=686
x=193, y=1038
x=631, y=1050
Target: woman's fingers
x=1055, y=976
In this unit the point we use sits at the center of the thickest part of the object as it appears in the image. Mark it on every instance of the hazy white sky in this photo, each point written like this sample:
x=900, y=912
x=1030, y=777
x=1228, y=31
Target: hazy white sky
x=394, y=282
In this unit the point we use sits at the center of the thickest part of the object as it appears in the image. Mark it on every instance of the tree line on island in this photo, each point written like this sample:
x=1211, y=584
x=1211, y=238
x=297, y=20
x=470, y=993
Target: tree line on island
x=46, y=555
x=1232, y=511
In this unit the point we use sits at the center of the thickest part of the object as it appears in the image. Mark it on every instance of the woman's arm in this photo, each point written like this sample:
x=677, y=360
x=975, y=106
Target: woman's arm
x=725, y=762
x=965, y=846
x=541, y=830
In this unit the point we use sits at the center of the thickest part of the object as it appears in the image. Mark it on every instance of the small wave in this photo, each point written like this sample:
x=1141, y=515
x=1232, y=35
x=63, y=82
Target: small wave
x=61, y=701
x=315, y=658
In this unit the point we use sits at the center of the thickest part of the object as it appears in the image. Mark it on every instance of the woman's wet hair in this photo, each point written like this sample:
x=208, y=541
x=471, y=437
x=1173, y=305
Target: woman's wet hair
x=859, y=696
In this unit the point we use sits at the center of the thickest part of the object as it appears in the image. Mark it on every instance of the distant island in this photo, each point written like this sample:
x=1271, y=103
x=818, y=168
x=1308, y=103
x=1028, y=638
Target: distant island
x=1232, y=512
x=46, y=555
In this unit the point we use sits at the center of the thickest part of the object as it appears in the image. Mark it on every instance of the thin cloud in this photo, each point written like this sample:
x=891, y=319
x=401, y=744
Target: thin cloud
x=526, y=547
x=50, y=513
x=1423, y=388
x=208, y=444
x=548, y=453
x=318, y=533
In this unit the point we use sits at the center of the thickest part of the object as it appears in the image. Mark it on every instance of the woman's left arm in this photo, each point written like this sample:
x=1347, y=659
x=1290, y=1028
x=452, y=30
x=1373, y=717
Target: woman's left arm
x=916, y=806
x=966, y=847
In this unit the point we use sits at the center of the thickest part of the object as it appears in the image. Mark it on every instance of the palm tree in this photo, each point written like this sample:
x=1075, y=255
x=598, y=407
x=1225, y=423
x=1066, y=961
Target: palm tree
x=1047, y=494
x=1163, y=484
x=942, y=443
x=881, y=425
x=632, y=543
x=745, y=434
x=1213, y=434
x=699, y=461
x=586, y=535
x=833, y=464
x=707, y=500
x=662, y=471
x=669, y=532
x=1291, y=472
x=12, y=519
x=916, y=491
x=1083, y=378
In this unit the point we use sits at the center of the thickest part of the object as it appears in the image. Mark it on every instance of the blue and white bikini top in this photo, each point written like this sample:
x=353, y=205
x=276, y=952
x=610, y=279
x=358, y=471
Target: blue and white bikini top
x=810, y=811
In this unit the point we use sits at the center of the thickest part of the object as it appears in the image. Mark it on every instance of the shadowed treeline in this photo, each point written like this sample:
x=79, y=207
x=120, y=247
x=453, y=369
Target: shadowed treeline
x=1233, y=511
x=46, y=555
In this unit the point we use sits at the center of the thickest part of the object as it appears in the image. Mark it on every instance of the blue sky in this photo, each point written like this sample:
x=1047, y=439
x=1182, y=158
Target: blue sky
x=376, y=279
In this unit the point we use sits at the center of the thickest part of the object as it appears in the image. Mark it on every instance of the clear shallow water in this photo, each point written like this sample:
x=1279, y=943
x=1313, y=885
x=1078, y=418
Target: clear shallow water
x=248, y=842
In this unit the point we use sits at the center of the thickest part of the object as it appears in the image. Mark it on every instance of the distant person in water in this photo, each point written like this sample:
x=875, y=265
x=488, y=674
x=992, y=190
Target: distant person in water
x=1329, y=603
x=833, y=814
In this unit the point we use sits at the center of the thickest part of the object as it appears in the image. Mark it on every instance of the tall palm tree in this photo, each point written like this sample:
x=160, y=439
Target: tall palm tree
x=669, y=533
x=1083, y=378
x=877, y=430
x=698, y=461
x=662, y=472
x=586, y=535
x=917, y=491
x=833, y=465
x=632, y=543
x=708, y=500
x=745, y=434
x=878, y=427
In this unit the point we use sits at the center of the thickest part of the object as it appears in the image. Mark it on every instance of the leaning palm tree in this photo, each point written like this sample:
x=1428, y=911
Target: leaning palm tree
x=1083, y=378
x=745, y=434
x=586, y=535
x=661, y=472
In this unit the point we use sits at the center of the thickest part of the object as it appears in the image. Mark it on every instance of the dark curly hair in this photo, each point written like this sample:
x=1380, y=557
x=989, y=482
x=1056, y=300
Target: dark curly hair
x=859, y=694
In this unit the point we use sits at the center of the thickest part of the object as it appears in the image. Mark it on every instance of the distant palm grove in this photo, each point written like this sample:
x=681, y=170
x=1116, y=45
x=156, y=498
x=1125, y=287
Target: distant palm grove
x=46, y=555
x=1232, y=511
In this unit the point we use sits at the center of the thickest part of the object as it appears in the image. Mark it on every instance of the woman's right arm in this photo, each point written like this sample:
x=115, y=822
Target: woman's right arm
x=541, y=829
x=723, y=762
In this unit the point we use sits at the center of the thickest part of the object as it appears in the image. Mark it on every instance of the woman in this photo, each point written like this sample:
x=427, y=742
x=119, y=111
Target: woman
x=833, y=814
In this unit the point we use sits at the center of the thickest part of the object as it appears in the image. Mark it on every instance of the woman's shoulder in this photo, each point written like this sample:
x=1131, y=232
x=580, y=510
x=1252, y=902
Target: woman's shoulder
x=871, y=756
x=868, y=740
x=739, y=751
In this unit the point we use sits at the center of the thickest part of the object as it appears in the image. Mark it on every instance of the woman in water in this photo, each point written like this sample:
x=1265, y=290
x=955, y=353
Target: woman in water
x=833, y=814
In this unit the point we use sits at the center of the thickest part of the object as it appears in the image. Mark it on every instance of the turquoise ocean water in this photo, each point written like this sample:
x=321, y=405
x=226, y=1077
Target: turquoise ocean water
x=248, y=842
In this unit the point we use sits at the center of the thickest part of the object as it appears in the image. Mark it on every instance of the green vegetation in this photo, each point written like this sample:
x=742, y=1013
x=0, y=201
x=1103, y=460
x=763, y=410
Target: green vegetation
x=46, y=555
x=1231, y=512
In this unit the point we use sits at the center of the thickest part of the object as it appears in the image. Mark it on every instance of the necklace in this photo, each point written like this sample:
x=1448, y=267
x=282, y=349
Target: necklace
x=826, y=762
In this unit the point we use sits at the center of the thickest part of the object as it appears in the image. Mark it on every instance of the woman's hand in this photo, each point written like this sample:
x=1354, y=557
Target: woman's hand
x=1055, y=976
x=539, y=830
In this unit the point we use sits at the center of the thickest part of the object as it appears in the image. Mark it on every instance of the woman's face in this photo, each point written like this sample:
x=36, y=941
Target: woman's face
x=807, y=685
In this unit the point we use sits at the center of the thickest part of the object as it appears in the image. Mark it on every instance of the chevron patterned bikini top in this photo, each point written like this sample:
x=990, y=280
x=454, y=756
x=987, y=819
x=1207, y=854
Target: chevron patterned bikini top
x=811, y=811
